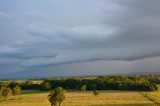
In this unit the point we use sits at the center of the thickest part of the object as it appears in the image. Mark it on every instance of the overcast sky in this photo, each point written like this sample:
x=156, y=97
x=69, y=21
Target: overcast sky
x=40, y=38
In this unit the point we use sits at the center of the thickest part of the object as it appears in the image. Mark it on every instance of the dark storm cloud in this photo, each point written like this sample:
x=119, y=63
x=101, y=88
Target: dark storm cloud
x=130, y=28
x=91, y=30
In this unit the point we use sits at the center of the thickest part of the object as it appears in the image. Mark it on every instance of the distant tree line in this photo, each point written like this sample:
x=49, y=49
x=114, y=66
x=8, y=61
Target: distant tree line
x=29, y=85
x=133, y=83
x=154, y=80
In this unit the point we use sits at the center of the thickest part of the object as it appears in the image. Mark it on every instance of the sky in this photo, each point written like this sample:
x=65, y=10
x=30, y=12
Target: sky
x=50, y=38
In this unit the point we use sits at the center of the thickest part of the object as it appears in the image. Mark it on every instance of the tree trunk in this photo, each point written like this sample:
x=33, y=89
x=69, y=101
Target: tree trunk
x=59, y=104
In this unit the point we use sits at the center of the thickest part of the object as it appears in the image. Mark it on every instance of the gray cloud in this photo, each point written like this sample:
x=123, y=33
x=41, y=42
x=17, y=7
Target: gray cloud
x=125, y=30
x=38, y=15
x=3, y=14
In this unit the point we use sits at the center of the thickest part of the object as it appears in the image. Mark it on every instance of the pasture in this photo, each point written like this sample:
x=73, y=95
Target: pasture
x=154, y=96
x=105, y=98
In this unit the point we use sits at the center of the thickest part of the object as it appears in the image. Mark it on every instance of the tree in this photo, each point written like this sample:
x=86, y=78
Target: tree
x=1, y=89
x=16, y=91
x=95, y=92
x=46, y=86
x=13, y=84
x=83, y=88
x=57, y=96
x=6, y=92
x=29, y=83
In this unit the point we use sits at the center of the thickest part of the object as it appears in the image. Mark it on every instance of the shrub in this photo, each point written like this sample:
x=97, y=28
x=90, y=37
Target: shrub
x=83, y=88
x=16, y=91
x=6, y=92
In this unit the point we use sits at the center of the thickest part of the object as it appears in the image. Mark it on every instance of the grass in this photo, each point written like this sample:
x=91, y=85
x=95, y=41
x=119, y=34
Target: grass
x=105, y=98
x=154, y=96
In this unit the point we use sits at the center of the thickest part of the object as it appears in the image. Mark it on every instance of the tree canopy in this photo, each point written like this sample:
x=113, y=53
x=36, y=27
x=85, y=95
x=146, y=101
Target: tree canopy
x=57, y=96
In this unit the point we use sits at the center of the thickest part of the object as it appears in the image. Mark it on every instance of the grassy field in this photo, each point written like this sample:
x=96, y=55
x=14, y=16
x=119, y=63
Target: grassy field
x=106, y=98
x=154, y=96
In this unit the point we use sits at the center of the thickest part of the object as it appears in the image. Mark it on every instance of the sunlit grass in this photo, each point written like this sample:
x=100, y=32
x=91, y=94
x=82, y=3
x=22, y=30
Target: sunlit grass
x=106, y=98
x=155, y=96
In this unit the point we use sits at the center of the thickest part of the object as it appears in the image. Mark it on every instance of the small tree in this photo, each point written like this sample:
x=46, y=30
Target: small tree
x=16, y=91
x=57, y=96
x=1, y=89
x=6, y=92
x=83, y=88
x=95, y=92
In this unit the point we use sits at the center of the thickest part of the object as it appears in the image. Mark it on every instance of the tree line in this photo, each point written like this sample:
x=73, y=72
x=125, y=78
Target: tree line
x=135, y=83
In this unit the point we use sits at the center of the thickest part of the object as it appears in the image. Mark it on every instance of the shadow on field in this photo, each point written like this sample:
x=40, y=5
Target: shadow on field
x=149, y=104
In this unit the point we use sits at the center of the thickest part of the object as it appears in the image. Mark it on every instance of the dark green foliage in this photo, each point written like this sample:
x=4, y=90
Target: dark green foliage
x=29, y=85
x=83, y=88
x=95, y=92
x=13, y=84
x=16, y=90
x=121, y=82
x=94, y=86
x=45, y=86
x=57, y=96
x=154, y=80
x=134, y=83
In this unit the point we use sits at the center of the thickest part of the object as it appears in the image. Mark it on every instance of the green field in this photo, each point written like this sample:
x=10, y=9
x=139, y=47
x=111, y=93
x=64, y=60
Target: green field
x=105, y=98
x=32, y=91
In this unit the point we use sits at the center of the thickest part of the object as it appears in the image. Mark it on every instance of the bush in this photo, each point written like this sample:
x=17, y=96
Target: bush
x=6, y=92
x=16, y=90
x=83, y=88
